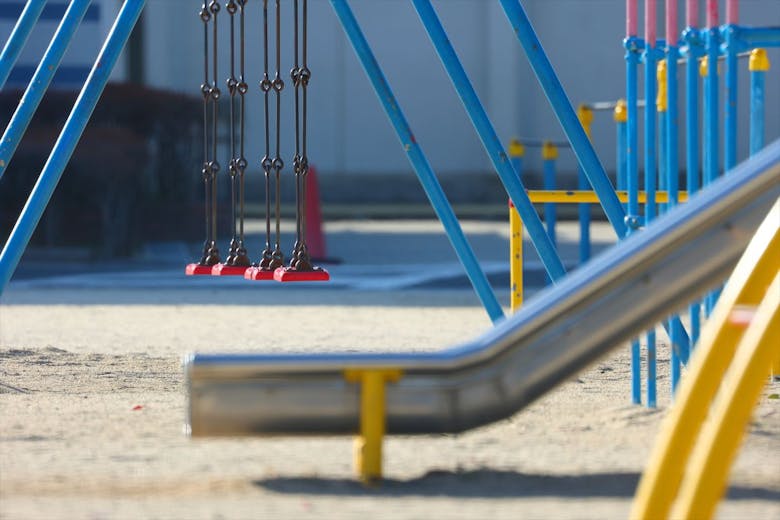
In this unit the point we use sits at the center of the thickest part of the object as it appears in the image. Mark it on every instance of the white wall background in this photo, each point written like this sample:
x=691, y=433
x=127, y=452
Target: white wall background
x=349, y=132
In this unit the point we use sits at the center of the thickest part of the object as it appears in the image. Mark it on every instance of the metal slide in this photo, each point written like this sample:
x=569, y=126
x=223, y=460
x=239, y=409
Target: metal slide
x=595, y=309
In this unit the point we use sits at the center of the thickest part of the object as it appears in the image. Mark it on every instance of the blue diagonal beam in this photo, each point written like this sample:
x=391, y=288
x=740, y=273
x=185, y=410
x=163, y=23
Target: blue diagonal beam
x=564, y=110
x=40, y=81
x=13, y=47
x=68, y=139
x=491, y=142
x=419, y=162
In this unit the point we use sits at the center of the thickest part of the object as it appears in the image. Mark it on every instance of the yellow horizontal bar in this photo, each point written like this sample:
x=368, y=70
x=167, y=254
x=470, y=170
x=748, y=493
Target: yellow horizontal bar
x=578, y=197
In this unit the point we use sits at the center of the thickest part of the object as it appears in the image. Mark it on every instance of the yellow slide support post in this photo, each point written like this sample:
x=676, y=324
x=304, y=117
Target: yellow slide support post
x=368, y=445
x=747, y=287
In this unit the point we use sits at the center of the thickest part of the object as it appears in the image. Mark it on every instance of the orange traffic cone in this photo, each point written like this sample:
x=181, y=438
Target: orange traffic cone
x=315, y=237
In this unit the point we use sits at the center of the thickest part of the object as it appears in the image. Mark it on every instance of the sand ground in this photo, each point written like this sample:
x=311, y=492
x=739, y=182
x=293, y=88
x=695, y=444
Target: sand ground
x=92, y=407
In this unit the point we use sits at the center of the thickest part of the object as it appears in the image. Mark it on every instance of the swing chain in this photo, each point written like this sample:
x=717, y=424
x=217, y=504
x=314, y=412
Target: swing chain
x=277, y=256
x=266, y=163
x=231, y=7
x=211, y=94
x=301, y=75
x=241, y=162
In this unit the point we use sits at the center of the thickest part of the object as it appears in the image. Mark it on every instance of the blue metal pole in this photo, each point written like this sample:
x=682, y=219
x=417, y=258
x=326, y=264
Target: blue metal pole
x=552, y=87
x=663, y=176
x=622, y=137
x=757, y=90
x=549, y=156
x=633, y=46
x=711, y=141
x=550, y=212
x=68, y=139
x=673, y=175
x=583, y=211
x=651, y=173
x=21, y=31
x=419, y=162
x=692, y=37
x=40, y=81
x=490, y=140
x=730, y=114
x=751, y=37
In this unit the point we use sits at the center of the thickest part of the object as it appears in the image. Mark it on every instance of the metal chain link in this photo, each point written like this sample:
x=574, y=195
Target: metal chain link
x=277, y=163
x=242, y=258
x=214, y=167
x=232, y=7
x=300, y=75
x=266, y=162
x=237, y=89
x=210, y=93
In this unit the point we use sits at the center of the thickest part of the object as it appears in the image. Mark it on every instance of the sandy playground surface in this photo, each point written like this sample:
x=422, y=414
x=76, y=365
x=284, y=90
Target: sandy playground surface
x=92, y=407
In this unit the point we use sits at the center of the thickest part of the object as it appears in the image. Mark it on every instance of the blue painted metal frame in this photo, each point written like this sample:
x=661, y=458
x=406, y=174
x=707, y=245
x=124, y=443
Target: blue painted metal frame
x=757, y=117
x=651, y=174
x=633, y=46
x=550, y=213
x=40, y=81
x=563, y=109
x=68, y=139
x=550, y=208
x=711, y=125
x=490, y=140
x=692, y=38
x=419, y=162
x=672, y=183
x=751, y=37
x=730, y=113
x=583, y=212
x=21, y=31
x=622, y=144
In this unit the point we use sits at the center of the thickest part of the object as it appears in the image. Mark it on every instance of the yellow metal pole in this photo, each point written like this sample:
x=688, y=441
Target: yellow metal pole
x=708, y=469
x=620, y=115
x=758, y=61
x=516, y=258
x=585, y=115
x=516, y=151
x=719, y=339
x=368, y=445
x=578, y=196
x=661, y=100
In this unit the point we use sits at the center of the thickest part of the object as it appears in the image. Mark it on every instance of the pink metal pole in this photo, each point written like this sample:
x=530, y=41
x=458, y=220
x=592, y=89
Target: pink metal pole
x=712, y=13
x=671, y=23
x=692, y=11
x=650, y=22
x=732, y=12
x=631, y=18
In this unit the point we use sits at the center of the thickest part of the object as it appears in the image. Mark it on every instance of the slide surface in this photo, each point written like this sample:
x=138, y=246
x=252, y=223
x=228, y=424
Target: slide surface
x=595, y=309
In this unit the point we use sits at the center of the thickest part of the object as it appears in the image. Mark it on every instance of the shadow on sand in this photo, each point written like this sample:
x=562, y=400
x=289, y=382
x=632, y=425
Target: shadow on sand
x=485, y=483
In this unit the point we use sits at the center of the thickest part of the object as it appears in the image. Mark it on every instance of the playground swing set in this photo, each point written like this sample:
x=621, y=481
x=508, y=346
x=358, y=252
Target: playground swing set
x=271, y=265
x=529, y=353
